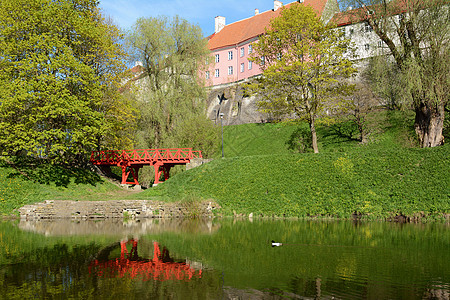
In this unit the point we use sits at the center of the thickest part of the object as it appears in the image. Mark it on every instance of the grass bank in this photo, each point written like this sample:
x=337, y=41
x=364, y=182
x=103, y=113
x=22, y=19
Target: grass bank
x=373, y=182
x=26, y=182
x=263, y=173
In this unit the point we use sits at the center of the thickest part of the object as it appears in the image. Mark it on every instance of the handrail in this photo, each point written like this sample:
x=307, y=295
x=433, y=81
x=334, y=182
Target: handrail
x=144, y=155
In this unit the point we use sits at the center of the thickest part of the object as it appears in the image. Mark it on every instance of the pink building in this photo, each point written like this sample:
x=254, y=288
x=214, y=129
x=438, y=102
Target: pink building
x=231, y=45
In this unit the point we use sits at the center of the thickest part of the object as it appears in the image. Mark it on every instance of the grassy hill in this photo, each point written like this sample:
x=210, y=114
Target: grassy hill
x=264, y=173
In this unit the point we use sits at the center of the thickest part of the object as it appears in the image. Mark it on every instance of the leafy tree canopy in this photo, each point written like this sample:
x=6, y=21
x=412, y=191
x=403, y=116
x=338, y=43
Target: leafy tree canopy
x=169, y=92
x=302, y=61
x=58, y=59
x=416, y=71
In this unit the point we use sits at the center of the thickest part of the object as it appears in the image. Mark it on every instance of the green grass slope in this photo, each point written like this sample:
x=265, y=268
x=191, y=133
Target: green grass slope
x=260, y=174
x=263, y=173
x=376, y=183
x=27, y=183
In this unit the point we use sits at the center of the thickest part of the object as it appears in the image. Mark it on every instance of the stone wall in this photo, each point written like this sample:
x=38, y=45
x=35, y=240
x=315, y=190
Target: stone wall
x=237, y=109
x=133, y=209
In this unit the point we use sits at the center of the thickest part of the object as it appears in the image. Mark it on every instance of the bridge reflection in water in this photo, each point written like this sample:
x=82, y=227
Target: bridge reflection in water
x=161, y=267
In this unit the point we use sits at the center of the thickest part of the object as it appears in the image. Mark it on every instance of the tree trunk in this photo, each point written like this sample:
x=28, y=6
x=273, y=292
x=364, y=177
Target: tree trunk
x=429, y=124
x=312, y=127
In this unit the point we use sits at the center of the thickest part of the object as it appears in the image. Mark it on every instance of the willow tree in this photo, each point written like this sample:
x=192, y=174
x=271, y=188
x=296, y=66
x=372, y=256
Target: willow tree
x=416, y=35
x=303, y=65
x=169, y=91
x=58, y=59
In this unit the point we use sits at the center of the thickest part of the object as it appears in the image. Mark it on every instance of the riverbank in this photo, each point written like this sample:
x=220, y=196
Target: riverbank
x=123, y=209
x=261, y=175
x=370, y=183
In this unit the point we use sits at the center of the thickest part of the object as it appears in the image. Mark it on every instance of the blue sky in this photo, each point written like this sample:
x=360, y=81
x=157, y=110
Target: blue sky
x=199, y=12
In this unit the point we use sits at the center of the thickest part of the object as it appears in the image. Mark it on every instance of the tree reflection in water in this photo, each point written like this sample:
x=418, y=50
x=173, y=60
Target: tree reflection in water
x=161, y=267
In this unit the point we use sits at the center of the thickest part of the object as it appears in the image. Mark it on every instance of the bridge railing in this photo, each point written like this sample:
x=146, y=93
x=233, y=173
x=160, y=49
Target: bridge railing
x=144, y=155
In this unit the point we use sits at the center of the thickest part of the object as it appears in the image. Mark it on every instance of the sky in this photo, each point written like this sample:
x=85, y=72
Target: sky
x=198, y=12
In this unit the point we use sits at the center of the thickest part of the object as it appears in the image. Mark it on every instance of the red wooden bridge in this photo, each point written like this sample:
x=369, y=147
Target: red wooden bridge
x=132, y=160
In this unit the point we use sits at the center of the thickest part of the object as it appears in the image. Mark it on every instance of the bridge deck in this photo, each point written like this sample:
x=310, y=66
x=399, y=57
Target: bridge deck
x=132, y=160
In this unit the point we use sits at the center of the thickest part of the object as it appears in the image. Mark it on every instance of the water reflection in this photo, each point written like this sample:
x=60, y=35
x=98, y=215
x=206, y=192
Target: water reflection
x=160, y=267
x=224, y=259
x=118, y=227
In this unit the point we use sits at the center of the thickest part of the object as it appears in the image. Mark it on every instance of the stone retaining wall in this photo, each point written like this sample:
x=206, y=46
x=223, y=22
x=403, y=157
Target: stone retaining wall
x=133, y=209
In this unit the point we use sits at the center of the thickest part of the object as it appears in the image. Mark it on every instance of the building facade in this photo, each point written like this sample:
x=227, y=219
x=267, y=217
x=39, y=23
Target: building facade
x=231, y=45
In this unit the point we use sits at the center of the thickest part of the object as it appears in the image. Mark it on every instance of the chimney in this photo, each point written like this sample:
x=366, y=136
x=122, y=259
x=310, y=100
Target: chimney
x=219, y=23
x=256, y=11
x=277, y=4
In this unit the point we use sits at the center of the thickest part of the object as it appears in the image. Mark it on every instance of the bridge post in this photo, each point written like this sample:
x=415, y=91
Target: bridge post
x=157, y=172
x=134, y=170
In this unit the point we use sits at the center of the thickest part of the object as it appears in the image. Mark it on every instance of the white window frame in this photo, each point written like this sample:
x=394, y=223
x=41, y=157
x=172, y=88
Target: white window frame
x=242, y=67
x=216, y=73
x=207, y=74
x=250, y=65
x=242, y=52
x=367, y=47
x=367, y=28
x=250, y=49
x=217, y=58
x=230, y=70
x=230, y=55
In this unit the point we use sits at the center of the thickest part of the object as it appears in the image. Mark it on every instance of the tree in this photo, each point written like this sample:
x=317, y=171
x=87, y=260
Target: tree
x=170, y=93
x=58, y=59
x=302, y=62
x=416, y=34
x=356, y=108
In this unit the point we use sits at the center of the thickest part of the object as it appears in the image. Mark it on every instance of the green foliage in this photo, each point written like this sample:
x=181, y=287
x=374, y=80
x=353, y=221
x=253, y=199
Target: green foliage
x=302, y=60
x=30, y=181
x=169, y=91
x=413, y=71
x=261, y=175
x=378, y=182
x=57, y=60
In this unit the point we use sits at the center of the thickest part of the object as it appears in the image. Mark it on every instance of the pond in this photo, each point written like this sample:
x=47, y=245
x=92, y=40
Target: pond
x=224, y=259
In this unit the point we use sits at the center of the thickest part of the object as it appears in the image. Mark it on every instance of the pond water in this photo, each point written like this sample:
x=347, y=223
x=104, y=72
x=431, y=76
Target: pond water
x=224, y=259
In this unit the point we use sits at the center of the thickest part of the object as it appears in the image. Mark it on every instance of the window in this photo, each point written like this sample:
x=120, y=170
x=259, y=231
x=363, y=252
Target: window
x=367, y=28
x=242, y=51
x=242, y=67
x=230, y=70
x=217, y=58
x=230, y=55
x=216, y=73
x=250, y=65
x=250, y=49
x=207, y=74
x=366, y=47
x=351, y=31
x=263, y=60
x=380, y=44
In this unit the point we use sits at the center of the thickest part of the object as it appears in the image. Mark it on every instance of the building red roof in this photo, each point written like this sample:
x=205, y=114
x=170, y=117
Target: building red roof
x=360, y=14
x=255, y=26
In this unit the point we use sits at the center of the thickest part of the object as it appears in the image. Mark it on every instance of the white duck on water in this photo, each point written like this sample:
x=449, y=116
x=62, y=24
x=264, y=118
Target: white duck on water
x=275, y=244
